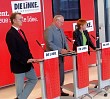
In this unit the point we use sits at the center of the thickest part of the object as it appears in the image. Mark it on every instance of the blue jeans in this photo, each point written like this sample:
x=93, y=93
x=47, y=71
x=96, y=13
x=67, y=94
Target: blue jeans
x=23, y=91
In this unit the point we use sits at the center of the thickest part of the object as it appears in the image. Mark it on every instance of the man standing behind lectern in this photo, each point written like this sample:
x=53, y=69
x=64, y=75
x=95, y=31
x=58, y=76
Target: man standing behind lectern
x=21, y=58
x=56, y=40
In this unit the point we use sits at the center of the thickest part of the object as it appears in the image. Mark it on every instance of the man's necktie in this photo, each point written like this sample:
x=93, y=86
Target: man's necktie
x=19, y=31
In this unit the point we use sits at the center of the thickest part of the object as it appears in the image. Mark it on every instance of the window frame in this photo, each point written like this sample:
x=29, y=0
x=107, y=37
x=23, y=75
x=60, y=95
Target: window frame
x=53, y=14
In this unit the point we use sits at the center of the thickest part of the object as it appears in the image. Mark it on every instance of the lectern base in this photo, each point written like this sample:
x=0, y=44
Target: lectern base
x=67, y=97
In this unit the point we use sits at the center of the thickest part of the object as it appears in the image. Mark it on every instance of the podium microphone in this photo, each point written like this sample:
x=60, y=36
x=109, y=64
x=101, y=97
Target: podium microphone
x=68, y=39
x=96, y=38
x=93, y=36
x=72, y=41
x=41, y=45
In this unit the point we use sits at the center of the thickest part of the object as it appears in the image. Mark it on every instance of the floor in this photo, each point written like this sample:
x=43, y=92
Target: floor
x=9, y=92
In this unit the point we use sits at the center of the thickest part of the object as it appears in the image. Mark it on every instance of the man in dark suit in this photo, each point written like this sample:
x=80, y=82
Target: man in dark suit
x=21, y=58
x=56, y=40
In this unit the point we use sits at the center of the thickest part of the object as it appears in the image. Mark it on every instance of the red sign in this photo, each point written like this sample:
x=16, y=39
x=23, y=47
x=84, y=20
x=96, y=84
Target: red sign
x=32, y=27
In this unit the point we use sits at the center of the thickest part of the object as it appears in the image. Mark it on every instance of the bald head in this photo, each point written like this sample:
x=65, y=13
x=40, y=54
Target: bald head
x=58, y=20
x=58, y=17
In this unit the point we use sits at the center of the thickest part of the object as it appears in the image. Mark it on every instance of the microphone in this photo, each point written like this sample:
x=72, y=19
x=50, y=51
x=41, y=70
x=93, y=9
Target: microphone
x=38, y=43
x=41, y=45
x=68, y=39
x=93, y=36
x=72, y=41
x=96, y=38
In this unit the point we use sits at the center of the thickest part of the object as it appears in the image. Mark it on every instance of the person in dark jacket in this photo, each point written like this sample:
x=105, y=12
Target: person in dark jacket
x=81, y=36
x=21, y=58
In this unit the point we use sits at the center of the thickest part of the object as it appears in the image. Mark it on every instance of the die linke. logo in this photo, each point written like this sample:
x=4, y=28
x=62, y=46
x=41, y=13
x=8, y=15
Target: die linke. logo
x=90, y=26
x=26, y=7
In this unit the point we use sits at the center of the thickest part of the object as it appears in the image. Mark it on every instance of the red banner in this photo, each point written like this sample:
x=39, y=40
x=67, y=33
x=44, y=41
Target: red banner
x=105, y=63
x=32, y=26
x=82, y=70
x=52, y=78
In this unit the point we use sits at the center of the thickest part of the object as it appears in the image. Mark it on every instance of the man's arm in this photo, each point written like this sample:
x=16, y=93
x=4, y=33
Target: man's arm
x=12, y=46
x=49, y=40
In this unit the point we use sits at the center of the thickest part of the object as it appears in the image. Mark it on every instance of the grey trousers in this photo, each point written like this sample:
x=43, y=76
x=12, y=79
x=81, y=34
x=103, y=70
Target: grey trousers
x=61, y=70
x=23, y=91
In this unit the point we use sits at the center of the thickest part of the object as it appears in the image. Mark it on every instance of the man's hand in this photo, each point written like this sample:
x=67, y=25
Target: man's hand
x=32, y=60
x=70, y=50
x=64, y=51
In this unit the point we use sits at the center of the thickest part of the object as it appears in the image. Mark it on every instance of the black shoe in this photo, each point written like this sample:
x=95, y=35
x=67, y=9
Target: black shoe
x=64, y=94
x=73, y=95
x=96, y=86
x=15, y=98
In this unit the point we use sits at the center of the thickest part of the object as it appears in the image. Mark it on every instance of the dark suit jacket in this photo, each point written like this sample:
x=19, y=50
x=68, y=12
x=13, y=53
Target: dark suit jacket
x=77, y=36
x=19, y=51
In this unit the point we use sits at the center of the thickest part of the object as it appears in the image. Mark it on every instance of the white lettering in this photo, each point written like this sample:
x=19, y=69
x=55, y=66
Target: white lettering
x=25, y=5
x=5, y=13
x=5, y=20
x=31, y=19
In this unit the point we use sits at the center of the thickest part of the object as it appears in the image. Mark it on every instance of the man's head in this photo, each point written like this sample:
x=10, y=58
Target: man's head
x=16, y=19
x=58, y=20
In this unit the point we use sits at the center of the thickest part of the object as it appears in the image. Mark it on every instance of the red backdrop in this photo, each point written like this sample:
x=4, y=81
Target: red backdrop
x=33, y=28
x=33, y=31
x=87, y=13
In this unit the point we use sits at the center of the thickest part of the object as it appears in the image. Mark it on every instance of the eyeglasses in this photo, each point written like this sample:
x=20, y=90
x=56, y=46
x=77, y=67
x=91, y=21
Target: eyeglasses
x=61, y=21
x=21, y=19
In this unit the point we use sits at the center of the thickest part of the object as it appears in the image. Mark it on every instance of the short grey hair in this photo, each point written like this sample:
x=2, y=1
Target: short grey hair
x=56, y=17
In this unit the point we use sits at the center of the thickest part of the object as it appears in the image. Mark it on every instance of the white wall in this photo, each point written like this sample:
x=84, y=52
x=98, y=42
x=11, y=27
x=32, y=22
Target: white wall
x=101, y=20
